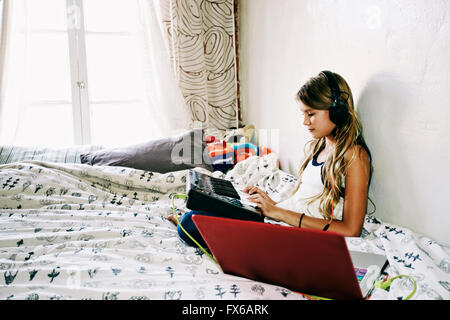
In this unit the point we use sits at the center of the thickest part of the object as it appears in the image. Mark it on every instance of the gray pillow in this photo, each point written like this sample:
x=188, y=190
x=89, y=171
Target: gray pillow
x=175, y=153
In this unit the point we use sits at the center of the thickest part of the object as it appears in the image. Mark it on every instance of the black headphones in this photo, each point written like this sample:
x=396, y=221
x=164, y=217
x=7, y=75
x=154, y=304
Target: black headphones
x=339, y=110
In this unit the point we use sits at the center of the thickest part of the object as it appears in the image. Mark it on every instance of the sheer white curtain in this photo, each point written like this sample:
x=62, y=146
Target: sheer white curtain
x=3, y=39
x=23, y=80
x=163, y=90
x=168, y=113
x=9, y=82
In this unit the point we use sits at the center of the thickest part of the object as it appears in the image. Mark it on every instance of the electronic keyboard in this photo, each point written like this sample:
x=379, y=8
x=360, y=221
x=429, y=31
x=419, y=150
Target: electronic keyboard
x=219, y=196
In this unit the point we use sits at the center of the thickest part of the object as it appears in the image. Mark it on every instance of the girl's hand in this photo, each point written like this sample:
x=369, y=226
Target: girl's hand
x=265, y=203
x=255, y=192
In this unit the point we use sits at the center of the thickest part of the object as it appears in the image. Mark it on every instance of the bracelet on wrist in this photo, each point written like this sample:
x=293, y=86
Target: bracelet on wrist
x=300, y=222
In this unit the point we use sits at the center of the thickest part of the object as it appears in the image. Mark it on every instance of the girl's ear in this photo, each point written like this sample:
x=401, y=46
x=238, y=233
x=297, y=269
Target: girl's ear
x=339, y=113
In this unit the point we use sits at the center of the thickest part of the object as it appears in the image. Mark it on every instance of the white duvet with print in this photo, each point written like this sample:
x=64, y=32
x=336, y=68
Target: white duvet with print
x=74, y=231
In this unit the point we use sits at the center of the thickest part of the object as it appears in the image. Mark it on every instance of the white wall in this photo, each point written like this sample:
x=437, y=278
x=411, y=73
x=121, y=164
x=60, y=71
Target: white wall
x=395, y=55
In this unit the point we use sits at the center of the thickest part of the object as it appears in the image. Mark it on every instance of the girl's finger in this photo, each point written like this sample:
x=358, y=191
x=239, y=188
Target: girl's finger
x=262, y=193
x=255, y=198
x=255, y=190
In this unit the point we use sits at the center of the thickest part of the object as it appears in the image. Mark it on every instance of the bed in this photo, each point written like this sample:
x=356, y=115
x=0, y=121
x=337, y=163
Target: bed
x=76, y=231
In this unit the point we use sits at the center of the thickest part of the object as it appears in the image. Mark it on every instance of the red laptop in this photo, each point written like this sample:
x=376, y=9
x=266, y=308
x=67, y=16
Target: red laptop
x=307, y=261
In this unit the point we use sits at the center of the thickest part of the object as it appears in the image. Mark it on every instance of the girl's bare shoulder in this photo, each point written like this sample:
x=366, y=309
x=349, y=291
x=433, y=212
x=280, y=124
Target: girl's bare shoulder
x=357, y=154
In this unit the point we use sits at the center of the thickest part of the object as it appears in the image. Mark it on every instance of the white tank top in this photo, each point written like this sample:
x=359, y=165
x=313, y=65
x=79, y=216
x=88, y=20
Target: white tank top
x=312, y=185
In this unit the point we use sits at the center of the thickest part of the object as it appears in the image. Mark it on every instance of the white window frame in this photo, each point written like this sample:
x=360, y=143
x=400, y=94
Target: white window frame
x=78, y=71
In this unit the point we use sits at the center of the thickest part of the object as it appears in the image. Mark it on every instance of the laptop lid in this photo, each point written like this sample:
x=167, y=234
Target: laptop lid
x=307, y=261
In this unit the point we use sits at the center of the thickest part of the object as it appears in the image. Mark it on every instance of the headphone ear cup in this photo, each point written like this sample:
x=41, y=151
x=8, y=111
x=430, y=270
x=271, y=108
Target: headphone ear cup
x=339, y=113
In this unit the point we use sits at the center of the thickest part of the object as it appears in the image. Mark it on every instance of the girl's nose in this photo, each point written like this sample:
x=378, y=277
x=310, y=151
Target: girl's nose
x=306, y=120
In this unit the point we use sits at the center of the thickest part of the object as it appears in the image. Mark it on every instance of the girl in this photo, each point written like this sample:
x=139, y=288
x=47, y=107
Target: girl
x=334, y=178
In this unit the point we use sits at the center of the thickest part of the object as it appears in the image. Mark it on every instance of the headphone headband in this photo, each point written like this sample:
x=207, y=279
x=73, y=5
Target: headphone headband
x=339, y=109
x=332, y=81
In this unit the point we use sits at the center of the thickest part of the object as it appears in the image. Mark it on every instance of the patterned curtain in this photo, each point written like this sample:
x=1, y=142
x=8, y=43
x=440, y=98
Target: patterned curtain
x=201, y=38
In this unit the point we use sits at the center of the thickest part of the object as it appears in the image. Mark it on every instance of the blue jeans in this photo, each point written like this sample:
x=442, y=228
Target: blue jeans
x=191, y=228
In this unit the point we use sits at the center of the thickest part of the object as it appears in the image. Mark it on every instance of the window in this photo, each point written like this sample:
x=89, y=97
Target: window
x=79, y=73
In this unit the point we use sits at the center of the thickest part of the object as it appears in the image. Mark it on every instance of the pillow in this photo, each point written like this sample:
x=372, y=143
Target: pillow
x=174, y=153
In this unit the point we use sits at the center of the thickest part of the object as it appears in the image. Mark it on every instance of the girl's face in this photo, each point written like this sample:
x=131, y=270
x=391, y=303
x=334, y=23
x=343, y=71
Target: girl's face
x=317, y=121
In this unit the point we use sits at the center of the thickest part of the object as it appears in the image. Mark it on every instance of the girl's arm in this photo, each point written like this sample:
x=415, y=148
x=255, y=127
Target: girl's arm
x=355, y=201
x=355, y=198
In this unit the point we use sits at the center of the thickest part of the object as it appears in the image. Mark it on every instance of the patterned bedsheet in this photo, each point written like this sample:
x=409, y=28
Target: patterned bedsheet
x=9, y=154
x=74, y=231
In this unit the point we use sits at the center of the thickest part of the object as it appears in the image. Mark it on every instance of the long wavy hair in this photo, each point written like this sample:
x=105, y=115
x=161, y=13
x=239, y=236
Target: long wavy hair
x=316, y=94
